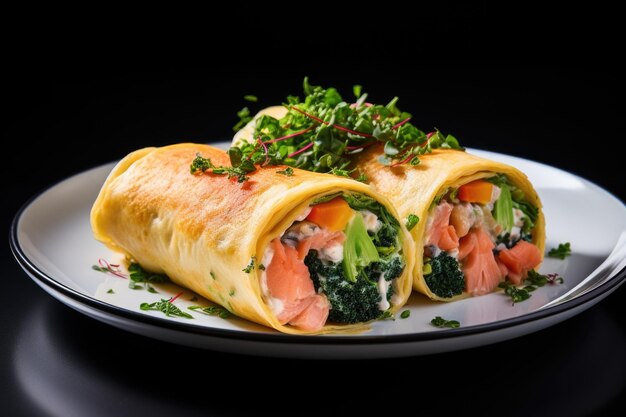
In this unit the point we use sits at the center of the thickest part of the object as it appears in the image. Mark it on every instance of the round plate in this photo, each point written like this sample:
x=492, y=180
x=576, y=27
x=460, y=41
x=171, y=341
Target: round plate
x=51, y=239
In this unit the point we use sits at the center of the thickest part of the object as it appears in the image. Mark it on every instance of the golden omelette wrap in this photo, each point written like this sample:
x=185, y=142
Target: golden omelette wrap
x=475, y=222
x=480, y=221
x=304, y=253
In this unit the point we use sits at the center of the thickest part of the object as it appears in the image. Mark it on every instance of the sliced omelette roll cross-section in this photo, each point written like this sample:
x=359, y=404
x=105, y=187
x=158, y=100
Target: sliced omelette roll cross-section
x=305, y=253
x=480, y=220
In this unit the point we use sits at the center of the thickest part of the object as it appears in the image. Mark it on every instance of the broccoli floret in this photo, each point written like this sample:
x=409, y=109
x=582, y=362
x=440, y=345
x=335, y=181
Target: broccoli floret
x=352, y=302
x=392, y=267
x=446, y=279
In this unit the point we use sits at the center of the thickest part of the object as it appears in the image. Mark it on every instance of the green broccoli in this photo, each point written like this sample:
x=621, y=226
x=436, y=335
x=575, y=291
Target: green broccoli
x=352, y=302
x=446, y=278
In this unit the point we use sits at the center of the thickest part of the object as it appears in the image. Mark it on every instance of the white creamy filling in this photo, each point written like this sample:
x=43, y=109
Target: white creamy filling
x=383, y=287
x=435, y=251
x=396, y=298
x=276, y=305
x=501, y=246
x=332, y=253
x=518, y=215
x=372, y=224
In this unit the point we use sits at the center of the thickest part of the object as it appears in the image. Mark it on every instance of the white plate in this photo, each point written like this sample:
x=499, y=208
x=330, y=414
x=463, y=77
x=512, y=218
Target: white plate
x=52, y=240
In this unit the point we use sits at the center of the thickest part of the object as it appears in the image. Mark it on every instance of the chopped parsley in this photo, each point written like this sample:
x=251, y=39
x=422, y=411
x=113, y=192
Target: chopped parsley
x=411, y=221
x=405, y=314
x=517, y=294
x=533, y=281
x=251, y=98
x=441, y=322
x=288, y=172
x=244, y=118
x=212, y=311
x=250, y=265
x=238, y=170
x=139, y=276
x=562, y=251
x=166, y=307
x=110, y=291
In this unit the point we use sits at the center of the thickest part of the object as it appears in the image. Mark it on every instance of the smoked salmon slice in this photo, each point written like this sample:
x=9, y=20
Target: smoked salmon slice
x=441, y=233
x=520, y=259
x=319, y=240
x=288, y=280
x=314, y=316
x=482, y=272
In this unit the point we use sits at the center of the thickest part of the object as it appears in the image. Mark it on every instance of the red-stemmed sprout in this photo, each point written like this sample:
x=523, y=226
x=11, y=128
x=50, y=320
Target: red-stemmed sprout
x=265, y=151
x=554, y=279
x=345, y=129
x=408, y=158
x=171, y=300
x=299, y=151
x=397, y=125
x=293, y=135
x=112, y=268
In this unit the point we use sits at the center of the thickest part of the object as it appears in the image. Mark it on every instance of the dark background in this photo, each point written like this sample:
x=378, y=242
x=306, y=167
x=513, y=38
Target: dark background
x=512, y=82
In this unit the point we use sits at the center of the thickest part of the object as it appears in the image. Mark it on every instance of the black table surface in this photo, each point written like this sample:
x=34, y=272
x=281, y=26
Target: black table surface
x=55, y=361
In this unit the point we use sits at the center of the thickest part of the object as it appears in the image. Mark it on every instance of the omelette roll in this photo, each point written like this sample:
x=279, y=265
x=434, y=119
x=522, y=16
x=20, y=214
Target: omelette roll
x=480, y=221
x=475, y=222
x=301, y=252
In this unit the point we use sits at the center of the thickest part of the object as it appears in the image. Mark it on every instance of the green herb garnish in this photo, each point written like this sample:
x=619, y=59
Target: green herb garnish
x=386, y=315
x=251, y=98
x=166, y=307
x=287, y=171
x=110, y=291
x=517, y=294
x=441, y=322
x=244, y=118
x=562, y=251
x=139, y=276
x=411, y=221
x=212, y=311
x=239, y=169
x=405, y=314
x=250, y=265
x=322, y=132
x=533, y=281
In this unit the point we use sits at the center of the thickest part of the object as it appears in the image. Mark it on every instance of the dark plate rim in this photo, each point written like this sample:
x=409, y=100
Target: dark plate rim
x=43, y=278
